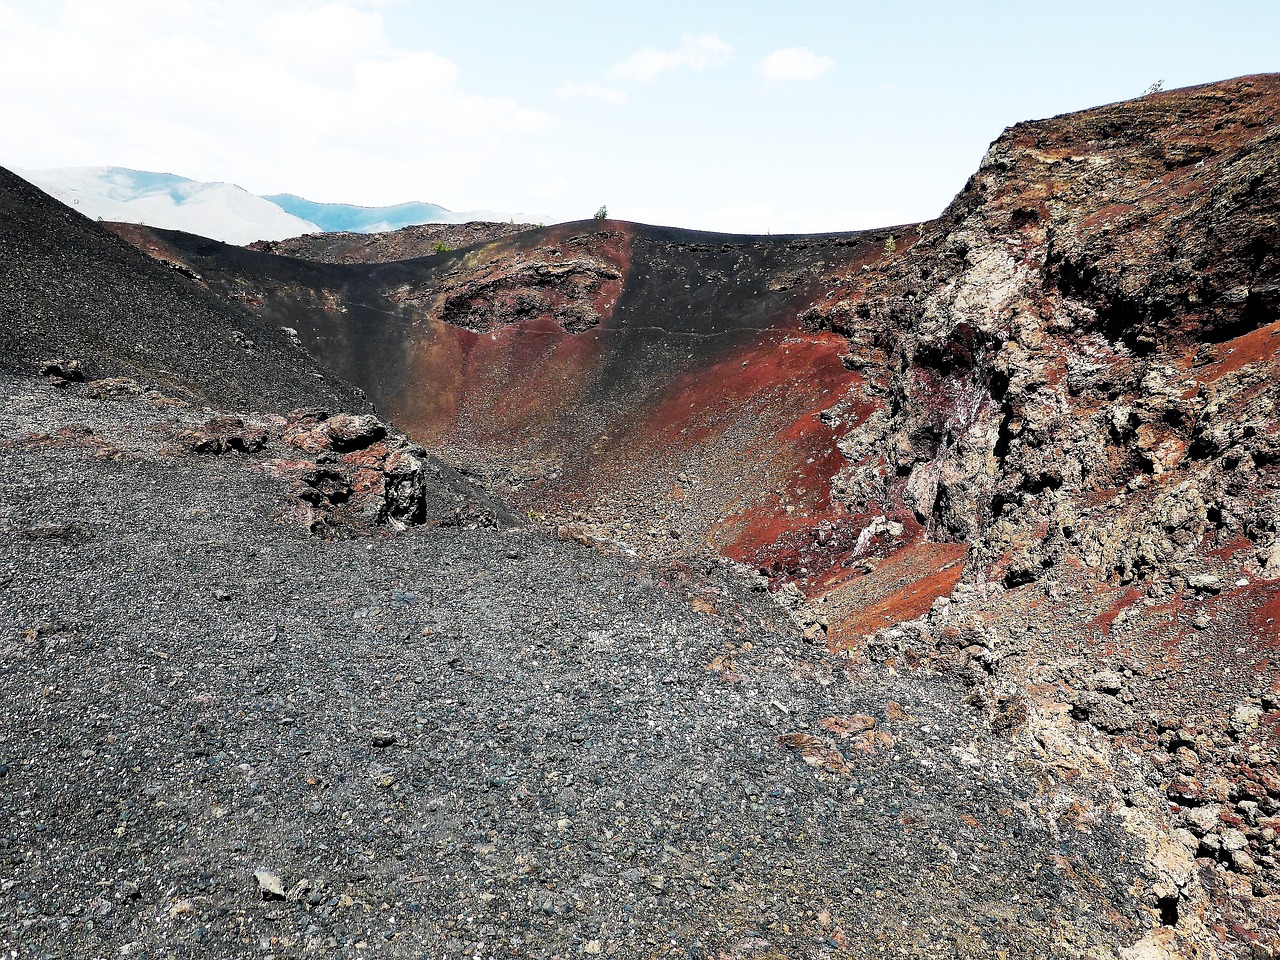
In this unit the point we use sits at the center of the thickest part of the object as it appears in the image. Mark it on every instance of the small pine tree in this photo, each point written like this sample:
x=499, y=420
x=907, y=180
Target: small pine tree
x=441, y=247
x=602, y=213
x=1156, y=87
x=890, y=245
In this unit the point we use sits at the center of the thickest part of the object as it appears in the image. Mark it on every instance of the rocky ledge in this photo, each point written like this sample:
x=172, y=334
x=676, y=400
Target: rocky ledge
x=348, y=472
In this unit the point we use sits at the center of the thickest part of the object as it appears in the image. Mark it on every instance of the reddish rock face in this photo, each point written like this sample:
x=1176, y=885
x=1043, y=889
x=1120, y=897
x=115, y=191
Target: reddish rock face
x=313, y=432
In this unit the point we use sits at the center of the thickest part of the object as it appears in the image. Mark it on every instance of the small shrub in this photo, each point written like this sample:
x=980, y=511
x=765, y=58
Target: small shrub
x=602, y=213
x=1155, y=87
x=441, y=247
x=890, y=245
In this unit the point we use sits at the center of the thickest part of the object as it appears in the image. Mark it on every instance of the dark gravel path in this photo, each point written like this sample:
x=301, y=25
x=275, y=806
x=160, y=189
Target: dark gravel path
x=452, y=741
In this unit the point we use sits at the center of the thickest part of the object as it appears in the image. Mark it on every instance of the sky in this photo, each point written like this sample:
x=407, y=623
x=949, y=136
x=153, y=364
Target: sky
x=743, y=116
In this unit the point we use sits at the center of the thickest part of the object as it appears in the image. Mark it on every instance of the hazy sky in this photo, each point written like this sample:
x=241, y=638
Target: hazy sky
x=752, y=116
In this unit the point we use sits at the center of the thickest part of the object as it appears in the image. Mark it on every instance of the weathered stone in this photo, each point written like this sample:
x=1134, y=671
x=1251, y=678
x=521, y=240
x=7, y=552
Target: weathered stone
x=350, y=432
x=1185, y=789
x=847, y=726
x=1205, y=583
x=71, y=371
x=1107, y=681
x=1199, y=820
x=222, y=434
x=1105, y=712
x=270, y=886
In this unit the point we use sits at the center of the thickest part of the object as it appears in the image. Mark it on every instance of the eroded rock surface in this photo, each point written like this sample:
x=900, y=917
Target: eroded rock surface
x=1082, y=358
x=1082, y=349
x=573, y=284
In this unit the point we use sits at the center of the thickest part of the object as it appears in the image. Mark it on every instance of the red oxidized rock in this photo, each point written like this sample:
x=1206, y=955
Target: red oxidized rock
x=343, y=432
x=222, y=434
x=351, y=432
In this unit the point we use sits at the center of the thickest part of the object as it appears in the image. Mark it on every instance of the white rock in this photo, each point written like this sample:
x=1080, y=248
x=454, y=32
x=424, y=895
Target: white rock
x=269, y=884
x=1233, y=839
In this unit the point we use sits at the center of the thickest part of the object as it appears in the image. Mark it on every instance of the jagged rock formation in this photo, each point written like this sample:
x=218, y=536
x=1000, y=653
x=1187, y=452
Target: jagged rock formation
x=350, y=472
x=573, y=287
x=1092, y=318
x=1083, y=354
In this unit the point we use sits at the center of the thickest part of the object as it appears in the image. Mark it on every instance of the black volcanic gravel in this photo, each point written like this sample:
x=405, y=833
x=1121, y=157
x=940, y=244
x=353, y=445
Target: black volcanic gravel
x=454, y=742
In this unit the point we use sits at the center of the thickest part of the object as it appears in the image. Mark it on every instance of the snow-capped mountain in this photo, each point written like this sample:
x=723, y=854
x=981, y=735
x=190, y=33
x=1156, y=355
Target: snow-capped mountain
x=221, y=211
x=349, y=218
x=224, y=211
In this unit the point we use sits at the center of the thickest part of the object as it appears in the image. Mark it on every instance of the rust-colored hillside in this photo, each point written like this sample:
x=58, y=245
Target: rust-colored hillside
x=657, y=383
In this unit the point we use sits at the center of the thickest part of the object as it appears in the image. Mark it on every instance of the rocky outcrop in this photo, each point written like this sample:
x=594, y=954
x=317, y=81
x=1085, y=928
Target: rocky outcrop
x=572, y=284
x=1080, y=352
x=1075, y=373
x=350, y=473
x=223, y=435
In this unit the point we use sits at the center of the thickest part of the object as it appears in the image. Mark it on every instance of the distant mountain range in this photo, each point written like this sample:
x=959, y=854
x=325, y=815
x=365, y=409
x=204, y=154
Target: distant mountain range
x=345, y=218
x=224, y=211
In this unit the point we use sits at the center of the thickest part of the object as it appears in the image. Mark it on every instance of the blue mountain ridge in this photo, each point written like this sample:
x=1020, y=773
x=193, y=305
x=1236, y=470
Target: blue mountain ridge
x=335, y=217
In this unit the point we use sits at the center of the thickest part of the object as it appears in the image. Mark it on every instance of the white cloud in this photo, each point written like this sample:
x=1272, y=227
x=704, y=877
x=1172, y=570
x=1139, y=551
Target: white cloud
x=794, y=63
x=297, y=96
x=318, y=36
x=696, y=52
x=592, y=91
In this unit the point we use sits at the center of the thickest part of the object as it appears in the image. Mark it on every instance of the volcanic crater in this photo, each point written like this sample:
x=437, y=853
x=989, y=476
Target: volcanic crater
x=605, y=588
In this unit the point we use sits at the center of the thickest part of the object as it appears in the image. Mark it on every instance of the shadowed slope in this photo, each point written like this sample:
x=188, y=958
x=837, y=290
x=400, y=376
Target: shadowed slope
x=70, y=289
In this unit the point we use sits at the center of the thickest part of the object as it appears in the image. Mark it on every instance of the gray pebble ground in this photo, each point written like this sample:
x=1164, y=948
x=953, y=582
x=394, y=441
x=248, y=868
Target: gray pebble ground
x=453, y=741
